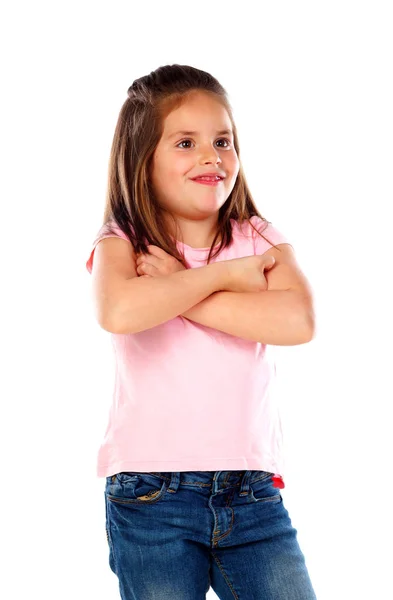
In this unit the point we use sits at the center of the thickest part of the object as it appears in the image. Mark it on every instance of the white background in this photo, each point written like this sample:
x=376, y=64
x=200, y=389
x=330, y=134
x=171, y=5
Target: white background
x=311, y=87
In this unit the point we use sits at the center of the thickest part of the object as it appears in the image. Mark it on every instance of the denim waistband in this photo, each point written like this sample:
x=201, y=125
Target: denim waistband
x=216, y=480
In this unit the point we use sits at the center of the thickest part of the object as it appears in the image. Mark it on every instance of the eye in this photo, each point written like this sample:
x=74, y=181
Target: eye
x=225, y=140
x=187, y=140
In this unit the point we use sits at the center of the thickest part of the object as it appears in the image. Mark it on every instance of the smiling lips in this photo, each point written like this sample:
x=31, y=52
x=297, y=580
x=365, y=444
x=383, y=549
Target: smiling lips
x=208, y=180
x=212, y=181
x=210, y=174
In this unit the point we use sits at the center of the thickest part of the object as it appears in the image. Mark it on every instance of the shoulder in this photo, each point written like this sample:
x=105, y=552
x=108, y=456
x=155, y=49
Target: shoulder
x=262, y=232
x=110, y=229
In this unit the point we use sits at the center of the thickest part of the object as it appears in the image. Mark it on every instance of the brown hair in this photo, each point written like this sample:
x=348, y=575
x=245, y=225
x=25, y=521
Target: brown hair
x=130, y=200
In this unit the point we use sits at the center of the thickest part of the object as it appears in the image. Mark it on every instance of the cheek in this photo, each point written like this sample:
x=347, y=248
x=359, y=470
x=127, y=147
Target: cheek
x=169, y=171
x=181, y=165
x=233, y=167
x=234, y=163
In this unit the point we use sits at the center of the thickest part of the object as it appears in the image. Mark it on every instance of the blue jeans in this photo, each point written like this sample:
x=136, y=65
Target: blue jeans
x=172, y=535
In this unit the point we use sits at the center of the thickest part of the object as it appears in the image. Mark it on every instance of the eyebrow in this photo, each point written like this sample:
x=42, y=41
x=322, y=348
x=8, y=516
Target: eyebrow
x=222, y=132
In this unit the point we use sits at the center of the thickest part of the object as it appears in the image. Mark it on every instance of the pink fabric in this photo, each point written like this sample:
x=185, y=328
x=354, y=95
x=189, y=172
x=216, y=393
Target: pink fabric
x=192, y=398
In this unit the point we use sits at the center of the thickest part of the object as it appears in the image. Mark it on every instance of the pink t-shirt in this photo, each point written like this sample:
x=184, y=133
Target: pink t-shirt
x=193, y=398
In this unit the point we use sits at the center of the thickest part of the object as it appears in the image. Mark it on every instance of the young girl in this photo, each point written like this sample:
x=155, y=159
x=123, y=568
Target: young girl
x=193, y=293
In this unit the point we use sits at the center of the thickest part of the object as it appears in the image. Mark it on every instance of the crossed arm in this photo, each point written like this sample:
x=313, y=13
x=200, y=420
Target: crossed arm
x=283, y=315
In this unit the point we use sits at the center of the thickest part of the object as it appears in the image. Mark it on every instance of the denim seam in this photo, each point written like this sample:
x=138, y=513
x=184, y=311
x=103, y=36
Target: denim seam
x=225, y=576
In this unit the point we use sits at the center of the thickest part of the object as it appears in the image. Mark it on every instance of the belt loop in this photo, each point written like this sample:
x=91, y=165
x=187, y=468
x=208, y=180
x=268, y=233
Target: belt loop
x=175, y=481
x=245, y=485
x=216, y=481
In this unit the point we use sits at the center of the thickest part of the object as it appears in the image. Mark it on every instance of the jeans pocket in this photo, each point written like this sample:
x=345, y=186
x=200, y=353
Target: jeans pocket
x=262, y=489
x=134, y=487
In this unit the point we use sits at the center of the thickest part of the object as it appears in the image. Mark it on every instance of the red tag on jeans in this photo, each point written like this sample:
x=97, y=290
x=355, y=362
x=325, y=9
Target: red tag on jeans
x=278, y=481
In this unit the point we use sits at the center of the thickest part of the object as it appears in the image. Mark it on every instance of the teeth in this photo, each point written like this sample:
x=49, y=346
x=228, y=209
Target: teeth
x=210, y=178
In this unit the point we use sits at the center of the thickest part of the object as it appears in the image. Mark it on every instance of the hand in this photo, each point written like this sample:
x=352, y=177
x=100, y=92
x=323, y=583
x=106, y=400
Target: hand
x=246, y=274
x=157, y=263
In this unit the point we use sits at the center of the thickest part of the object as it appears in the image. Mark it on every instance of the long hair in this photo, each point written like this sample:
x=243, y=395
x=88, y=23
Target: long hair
x=130, y=200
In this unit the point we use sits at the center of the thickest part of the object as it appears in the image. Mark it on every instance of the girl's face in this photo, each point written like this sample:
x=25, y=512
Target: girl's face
x=180, y=157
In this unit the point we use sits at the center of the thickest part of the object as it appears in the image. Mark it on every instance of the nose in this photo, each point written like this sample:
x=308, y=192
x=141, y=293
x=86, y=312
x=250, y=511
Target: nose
x=210, y=155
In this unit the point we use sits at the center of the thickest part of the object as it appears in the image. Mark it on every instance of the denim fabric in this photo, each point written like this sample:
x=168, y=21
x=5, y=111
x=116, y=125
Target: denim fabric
x=172, y=535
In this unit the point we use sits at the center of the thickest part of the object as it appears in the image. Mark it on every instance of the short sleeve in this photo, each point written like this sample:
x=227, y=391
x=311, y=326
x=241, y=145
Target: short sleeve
x=104, y=233
x=274, y=235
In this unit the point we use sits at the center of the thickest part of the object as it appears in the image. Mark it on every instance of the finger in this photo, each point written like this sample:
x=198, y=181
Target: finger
x=157, y=251
x=141, y=270
x=269, y=261
x=149, y=259
x=142, y=258
x=147, y=269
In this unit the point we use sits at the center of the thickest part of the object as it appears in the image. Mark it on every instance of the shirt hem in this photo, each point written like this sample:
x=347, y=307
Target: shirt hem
x=219, y=464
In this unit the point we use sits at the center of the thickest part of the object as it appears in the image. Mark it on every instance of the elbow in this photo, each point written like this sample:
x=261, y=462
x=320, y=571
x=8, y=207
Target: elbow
x=113, y=325
x=309, y=324
x=107, y=324
x=123, y=322
x=313, y=330
x=309, y=335
x=306, y=318
x=109, y=321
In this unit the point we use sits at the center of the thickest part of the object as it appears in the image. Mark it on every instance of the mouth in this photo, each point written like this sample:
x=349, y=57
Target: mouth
x=214, y=181
x=208, y=177
x=208, y=180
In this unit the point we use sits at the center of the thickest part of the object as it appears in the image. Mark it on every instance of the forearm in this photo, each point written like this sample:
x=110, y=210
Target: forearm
x=142, y=303
x=276, y=317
